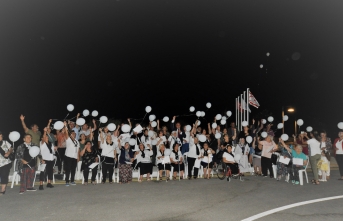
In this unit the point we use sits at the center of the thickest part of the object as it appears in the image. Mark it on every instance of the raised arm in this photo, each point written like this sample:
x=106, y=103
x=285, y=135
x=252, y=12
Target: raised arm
x=285, y=145
x=77, y=117
x=101, y=137
x=48, y=126
x=65, y=130
x=158, y=124
x=128, y=119
x=94, y=125
x=209, y=128
x=22, y=118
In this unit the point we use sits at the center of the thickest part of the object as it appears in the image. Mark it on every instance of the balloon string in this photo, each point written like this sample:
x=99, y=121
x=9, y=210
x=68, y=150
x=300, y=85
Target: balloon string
x=66, y=117
x=144, y=117
x=72, y=118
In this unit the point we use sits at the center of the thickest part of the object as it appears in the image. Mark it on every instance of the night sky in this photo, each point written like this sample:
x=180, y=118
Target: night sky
x=119, y=56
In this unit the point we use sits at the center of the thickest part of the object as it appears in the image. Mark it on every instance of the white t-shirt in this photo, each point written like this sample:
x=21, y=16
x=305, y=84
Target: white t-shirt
x=315, y=146
x=192, y=149
x=267, y=146
x=339, y=146
x=107, y=149
x=44, y=151
x=172, y=156
x=158, y=155
x=3, y=160
x=164, y=140
x=146, y=159
x=323, y=144
x=228, y=157
x=209, y=156
x=72, y=148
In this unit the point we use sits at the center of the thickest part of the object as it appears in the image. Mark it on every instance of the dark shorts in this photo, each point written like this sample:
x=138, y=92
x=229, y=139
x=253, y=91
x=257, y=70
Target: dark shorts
x=164, y=167
x=206, y=165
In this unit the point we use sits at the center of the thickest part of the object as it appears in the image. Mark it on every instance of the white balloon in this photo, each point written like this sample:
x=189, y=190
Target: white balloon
x=224, y=118
x=132, y=142
x=217, y=135
x=309, y=129
x=285, y=118
x=15, y=135
x=153, y=124
x=70, y=107
x=167, y=152
x=244, y=123
x=229, y=113
x=166, y=119
x=223, y=122
x=208, y=105
x=203, y=113
x=80, y=121
x=202, y=138
x=125, y=128
x=270, y=119
x=191, y=109
x=151, y=133
x=218, y=116
x=111, y=126
x=280, y=126
x=95, y=113
x=214, y=125
x=152, y=117
x=188, y=128
x=237, y=158
x=264, y=134
x=300, y=122
x=284, y=137
x=198, y=113
x=34, y=151
x=268, y=54
x=58, y=125
x=85, y=113
x=264, y=121
x=148, y=109
x=261, y=65
x=248, y=139
x=103, y=119
x=340, y=125
x=154, y=142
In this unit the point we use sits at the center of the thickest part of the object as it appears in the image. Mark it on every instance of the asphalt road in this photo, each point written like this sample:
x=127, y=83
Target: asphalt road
x=199, y=199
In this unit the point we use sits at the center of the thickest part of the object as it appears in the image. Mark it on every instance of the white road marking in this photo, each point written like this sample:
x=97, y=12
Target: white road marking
x=266, y=213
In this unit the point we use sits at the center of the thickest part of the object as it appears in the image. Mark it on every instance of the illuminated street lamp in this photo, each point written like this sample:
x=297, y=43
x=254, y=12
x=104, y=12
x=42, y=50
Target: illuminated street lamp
x=289, y=110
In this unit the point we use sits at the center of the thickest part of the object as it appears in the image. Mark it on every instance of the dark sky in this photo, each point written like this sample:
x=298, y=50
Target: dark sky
x=119, y=56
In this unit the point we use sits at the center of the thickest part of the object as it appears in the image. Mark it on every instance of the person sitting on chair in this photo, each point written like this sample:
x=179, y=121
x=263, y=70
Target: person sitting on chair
x=206, y=160
x=176, y=160
x=160, y=163
x=229, y=160
x=89, y=156
x=144, y=161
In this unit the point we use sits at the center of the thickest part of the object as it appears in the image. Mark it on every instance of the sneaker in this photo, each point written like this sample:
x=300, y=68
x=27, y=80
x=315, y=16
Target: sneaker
x=296, y=183
x=30, y=189
x=265, y=176
x=21, y=192
x=73, y=183
x=67, y=184
x=293, y=181
x=49, y=185
x=41, y=187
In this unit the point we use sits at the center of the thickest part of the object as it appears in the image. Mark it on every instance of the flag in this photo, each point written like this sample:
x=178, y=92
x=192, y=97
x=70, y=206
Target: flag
x=253, y=101
x=244, y=106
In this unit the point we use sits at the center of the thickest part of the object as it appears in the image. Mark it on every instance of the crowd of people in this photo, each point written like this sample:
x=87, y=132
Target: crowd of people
x=175, y=150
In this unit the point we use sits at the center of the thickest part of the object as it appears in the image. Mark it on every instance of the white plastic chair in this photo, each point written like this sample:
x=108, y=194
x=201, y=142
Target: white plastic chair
x=301, y=178
x=15, y=175
x=78, y=171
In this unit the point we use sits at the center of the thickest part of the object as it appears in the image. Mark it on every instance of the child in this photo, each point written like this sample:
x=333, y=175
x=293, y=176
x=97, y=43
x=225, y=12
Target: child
x=323, y=164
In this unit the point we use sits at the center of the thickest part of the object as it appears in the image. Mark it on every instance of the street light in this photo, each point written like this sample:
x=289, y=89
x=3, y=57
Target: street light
x=289, y=110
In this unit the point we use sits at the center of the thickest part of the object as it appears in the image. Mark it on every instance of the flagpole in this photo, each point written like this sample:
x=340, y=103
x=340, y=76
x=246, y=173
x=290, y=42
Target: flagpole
x=245, y=108
x=247, y=100
x=236, y=112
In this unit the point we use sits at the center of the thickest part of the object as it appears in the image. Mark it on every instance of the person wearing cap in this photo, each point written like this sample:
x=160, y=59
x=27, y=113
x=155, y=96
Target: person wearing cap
x=5, y=163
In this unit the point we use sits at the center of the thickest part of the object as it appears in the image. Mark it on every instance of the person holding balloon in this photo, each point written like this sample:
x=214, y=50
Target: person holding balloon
x=193, y=154
x=5, y=163
x=72, y=155
x=108, y=155
x=47, y=150
x=26, y=162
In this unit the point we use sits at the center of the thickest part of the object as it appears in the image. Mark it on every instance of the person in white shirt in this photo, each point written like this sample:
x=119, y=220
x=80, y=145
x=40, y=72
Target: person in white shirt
x=314, y=146
x=71, y=156
x=108, y=155
x=229, y=160
x=102, y=133
x=193, y=154
x=145, y=139
x=5, y=163
x=338, y=152
x=174, y=139
x=176, y=160
x=206, y=160
x=161, y=139
x=47, y=150
x=161, y=163
x=144, y=162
